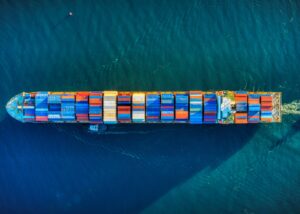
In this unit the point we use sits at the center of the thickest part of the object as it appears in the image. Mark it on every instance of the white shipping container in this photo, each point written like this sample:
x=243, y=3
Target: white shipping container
x=110, y=107
x=138, y=115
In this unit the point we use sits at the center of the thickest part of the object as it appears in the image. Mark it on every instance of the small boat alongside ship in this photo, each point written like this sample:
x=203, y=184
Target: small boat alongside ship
x=113, y=107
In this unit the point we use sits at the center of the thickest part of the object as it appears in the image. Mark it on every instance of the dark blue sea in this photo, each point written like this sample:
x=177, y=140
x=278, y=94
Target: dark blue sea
x=150, y=45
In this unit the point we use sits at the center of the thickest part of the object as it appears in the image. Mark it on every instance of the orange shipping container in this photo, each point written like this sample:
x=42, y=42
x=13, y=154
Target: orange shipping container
x=181, y=114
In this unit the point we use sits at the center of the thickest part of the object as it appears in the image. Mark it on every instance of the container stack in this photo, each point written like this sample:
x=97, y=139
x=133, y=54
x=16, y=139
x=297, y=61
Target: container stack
x=29, y=107
x=182, y=107
x=41, y=106
x=153, y=107
x=240, y=118
x=68, y=107
x=254, y=108
x=266, y=108
x=138, y=107
x=196, y=107
x=110, y=107
x=167, y=107
x=54, y=105
x=124, y=107
x=82, y=106
x=95, y=107
x=241, y=101
x=210, y=108
x=241, y=107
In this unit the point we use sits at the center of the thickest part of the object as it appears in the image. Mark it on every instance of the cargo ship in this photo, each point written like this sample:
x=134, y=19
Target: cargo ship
x=113, y=107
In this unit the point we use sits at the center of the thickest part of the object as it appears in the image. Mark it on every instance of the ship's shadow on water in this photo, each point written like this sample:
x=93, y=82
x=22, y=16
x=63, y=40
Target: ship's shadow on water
x=295, y=128
x=137, y=166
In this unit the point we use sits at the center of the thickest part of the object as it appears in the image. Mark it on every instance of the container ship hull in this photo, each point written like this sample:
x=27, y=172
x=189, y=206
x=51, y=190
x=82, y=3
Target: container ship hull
x=113, y=107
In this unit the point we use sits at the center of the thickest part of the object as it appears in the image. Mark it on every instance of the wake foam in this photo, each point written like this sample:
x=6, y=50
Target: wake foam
x=291, y=108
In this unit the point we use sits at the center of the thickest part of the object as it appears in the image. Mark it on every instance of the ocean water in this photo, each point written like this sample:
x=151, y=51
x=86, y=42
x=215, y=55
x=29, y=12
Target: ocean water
x=149, y=45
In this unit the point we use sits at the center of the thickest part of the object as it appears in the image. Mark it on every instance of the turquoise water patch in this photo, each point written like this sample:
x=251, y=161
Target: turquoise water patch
x=252, y=180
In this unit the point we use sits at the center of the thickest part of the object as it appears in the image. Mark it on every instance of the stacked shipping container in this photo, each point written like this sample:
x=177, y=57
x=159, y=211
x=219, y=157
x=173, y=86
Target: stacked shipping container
x=195, y=107
x=254, y=108
x=241, y=107
x=82, y=106
x=41, y=106
x=167, y=107
x=95, y=107
x=266, y=108
x=138, y=107
x=68, y=107
x=110, y=107
x=54, y=107
x=153, y=107
x=181, y=107
x=29, y=107
x=124, y=107
x=210, y=108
